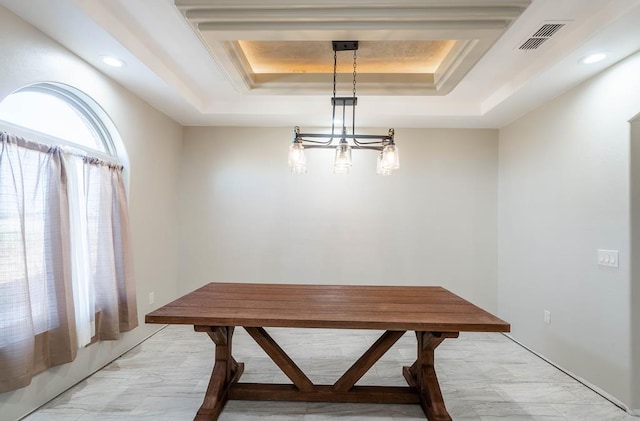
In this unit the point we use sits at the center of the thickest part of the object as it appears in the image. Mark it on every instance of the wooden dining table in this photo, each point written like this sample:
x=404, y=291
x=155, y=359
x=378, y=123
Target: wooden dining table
x=432, y=312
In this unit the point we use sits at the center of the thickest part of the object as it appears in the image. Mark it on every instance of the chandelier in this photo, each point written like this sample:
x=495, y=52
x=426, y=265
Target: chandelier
x=387, y=158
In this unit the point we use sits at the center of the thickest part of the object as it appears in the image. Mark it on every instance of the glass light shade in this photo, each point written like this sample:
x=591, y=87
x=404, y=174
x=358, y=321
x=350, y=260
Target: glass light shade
x=379, y=169
x=297, y=160
x=342, y=163
x=299, y=169
x=390, y=158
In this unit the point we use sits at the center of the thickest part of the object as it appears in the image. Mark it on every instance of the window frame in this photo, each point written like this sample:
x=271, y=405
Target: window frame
x=94, y=117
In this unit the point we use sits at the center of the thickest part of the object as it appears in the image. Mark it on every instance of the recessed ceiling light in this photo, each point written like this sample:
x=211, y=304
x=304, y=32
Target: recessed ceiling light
x=593, y=58
x=112, y=61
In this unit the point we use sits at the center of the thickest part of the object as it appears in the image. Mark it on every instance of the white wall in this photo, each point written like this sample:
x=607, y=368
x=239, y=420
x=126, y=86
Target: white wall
x=563, y=194
x=246, y=218
x=153, y=143
x=635, y=261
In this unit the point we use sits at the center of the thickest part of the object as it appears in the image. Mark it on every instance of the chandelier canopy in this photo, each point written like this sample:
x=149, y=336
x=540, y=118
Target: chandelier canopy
x=388, y=160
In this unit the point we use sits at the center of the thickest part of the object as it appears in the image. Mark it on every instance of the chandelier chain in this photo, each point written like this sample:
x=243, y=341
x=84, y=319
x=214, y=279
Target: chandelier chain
x=333, y=113
x=353, y=109
x=335, y=71
x=355, y=53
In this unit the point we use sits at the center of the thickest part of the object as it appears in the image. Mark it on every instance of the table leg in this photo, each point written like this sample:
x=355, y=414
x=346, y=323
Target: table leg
x=422, y=375
x=226, y=371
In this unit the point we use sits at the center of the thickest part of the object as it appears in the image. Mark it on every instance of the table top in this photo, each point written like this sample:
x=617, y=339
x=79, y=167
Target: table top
x=430, y=308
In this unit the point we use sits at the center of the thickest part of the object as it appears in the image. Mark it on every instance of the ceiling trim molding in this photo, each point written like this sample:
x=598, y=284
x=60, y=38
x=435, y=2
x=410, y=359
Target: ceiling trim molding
x=473, y=25
x=312, y=10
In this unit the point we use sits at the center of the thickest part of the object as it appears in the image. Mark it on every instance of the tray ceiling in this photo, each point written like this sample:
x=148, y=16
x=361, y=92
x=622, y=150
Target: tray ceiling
x=406, y=48
x=404, y=57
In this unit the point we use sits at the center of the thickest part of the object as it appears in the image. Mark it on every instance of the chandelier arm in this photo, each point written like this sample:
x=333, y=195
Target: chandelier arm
x=319, y=146
x=316, y=146
x=381, y=142
x=328, y=142
x=381, y=137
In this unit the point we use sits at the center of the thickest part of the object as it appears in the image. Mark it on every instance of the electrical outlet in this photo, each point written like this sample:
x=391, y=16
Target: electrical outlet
x=152, y=297
x=547, y=317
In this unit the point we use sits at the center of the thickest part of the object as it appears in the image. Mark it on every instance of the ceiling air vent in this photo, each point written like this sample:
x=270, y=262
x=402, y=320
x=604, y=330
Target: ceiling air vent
x=539, y=37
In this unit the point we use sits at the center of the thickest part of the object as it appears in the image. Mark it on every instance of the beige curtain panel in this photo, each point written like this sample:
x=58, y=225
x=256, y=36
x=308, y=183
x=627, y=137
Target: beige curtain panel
x=40, y=232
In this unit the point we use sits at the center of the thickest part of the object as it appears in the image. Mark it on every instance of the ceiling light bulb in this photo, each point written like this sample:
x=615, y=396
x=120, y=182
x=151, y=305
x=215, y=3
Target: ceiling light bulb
x=297, y=160
x=389, y=158
x=593, y=58
x=112, y=61
x=342, y=163
x=380, y=170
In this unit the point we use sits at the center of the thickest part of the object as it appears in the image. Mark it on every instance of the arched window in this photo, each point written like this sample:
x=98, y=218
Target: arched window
x=60, y=114
x=65, y=251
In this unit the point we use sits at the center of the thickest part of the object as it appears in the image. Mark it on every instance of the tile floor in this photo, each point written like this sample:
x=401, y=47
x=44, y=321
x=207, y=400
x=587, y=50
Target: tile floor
x=484, y=377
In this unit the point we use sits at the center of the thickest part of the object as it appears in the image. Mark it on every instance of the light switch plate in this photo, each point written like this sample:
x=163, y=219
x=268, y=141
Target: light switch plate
x=608, y=258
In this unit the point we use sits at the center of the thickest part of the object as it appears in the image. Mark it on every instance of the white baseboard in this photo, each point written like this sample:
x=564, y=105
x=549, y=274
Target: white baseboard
x=599, y=391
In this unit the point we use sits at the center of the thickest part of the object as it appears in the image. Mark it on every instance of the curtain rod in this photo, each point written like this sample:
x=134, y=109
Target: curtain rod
x=7, y=137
